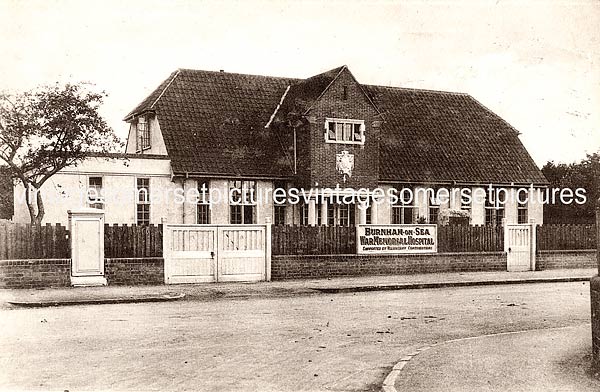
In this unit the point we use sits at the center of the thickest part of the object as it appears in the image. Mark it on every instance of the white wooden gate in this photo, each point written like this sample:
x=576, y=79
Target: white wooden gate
x=519, y=245
x=214, y=253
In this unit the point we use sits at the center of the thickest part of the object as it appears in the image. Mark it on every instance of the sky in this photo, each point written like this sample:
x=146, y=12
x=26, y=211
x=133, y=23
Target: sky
x=534, y=63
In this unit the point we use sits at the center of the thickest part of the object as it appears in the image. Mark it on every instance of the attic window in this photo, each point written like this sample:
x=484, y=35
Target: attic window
x=345, y=93
x=143, y=134
x=344, y=131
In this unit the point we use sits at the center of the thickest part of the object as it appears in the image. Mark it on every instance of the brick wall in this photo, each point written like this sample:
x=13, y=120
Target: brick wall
x=558, y=259
x=22, y=274
x=323, y=155
x=134, y=271
x=35, y=273
x=325, y=266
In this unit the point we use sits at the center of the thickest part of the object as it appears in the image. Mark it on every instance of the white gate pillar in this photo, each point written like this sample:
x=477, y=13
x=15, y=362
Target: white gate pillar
x=374, y=211
x=268, y=241
x=362, y=213
x=312, y=212
x=86, y=227
x=533, y=243
x=324, y=218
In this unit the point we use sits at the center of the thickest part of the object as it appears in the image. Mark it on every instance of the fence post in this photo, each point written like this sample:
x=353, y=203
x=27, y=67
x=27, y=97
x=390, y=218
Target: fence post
x=533, y=248
x=598, y=234
x=505, y=228
x=268, y=249
x=595, y=298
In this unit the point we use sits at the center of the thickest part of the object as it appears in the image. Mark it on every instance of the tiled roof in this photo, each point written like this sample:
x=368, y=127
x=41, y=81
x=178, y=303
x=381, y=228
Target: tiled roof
x=214, y=123
x=442, y=136
x=304, y=93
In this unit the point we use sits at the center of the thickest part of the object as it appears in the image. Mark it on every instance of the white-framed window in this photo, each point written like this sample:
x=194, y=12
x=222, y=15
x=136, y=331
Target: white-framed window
x=494, y=207
x=434, y=207
x=344, y=131
x=404, y=211
x=95, y=197
x=143, y=201
x=341, y=214
x=143, y=134
x=304, y=208
x=303, y=214
x=369, y=214
x=279, y=210
x=465, y=203
x=242, y=203
x=203, y=206
x=522, y=213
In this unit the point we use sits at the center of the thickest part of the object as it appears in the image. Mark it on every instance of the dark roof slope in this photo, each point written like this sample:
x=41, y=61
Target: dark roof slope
x=442, y=136
x=304, y=93
x=214, y=123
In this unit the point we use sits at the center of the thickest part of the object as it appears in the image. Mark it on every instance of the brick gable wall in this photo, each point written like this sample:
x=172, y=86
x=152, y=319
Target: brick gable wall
x=323, y=155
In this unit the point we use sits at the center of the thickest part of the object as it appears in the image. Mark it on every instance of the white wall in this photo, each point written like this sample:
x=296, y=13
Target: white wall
x=384, y=210
x=421, y=203
x=510, y=208
x=265, y=206
x=67, y=190
x=535, y=209
x=477, y=206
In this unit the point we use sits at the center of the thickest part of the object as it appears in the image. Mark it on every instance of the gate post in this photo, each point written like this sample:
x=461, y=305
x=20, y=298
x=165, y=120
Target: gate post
x=166, y=247
x=533, y=241
x=595, y=298
x=268, y=249
x=87, y=247
x=505, y=229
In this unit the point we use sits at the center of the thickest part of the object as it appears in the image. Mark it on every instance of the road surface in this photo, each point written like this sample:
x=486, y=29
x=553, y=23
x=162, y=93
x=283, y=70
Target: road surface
x=338, y=342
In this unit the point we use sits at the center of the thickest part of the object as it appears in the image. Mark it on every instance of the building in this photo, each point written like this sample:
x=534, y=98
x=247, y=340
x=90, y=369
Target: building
x=235, y=134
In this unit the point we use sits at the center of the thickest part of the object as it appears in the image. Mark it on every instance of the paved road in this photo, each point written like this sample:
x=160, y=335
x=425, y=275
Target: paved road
x=340, y=342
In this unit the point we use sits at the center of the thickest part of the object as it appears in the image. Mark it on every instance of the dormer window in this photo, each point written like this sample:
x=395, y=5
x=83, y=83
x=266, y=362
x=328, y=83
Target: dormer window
x=143, y=134
x=344, y=131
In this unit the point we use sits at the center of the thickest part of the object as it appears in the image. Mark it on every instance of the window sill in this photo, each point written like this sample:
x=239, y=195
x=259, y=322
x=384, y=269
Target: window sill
x=338, y=142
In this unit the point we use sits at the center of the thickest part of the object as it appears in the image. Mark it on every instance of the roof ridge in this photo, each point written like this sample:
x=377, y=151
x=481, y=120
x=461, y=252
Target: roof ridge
x=238, y=74
x=421, y=89
x=337, y=70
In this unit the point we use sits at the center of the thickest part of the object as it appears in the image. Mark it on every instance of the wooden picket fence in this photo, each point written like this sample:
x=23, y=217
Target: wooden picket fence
x=133, y=241
x=312, y=240
x=462, y=238
x=566, y=236
x=25, y=241
x=296, y=240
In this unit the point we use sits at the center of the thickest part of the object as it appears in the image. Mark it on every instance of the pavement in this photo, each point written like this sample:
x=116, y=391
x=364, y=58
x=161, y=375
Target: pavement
x=62, y=296
x=556, y=359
